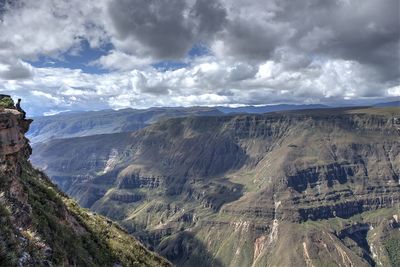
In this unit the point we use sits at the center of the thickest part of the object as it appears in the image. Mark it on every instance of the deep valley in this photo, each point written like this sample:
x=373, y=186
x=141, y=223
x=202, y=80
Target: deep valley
x=200, y=133
x=318, y=186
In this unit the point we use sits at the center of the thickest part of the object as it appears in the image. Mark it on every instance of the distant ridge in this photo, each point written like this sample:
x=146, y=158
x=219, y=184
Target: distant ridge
x=269, y=108
x=84, y=123
x=388, y=104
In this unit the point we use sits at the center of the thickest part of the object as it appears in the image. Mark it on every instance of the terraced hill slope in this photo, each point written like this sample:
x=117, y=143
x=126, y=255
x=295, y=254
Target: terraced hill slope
x=310, y=188
x=41, y=226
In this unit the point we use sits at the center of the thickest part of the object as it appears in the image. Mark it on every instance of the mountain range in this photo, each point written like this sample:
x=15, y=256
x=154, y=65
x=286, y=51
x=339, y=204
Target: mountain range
x=319, y=186
x=76, y=124
x=86, y=123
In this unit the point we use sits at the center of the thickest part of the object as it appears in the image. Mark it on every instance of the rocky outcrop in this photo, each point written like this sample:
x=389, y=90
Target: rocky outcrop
x=126, y=197
x=328, y=174
x=215, y=195
x=135, y=180
x=347, y=209
x=41, y=226
x=12, y=130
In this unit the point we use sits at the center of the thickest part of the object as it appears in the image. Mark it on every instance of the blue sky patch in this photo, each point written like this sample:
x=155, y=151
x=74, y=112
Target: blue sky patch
x=81, y=60
x=199, y=50
x=167, y=65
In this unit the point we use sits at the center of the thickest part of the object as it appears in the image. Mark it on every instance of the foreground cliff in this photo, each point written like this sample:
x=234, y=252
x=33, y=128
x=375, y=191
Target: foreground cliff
x=40, y=226
x=312, y=188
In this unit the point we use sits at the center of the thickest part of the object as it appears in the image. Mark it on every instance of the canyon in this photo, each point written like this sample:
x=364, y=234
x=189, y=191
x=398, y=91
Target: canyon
x=290, y=188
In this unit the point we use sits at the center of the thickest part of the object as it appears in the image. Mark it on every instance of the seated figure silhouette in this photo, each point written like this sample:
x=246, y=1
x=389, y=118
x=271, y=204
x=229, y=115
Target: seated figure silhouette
x=18, y=106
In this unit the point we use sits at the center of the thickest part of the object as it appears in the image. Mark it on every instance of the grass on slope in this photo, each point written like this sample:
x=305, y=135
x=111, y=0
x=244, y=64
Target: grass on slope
x=91, y=241
x=384, y=111
x=392, y=246
x=8, y=244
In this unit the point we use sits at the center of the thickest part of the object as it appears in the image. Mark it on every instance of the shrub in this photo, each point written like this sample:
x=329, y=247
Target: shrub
x=393, y=249
x=6, y=102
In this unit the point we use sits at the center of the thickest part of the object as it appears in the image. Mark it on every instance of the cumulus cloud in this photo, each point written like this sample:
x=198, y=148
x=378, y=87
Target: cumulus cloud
x=15, y=70
x=163, y=29
x=363, y=31
x=29, y=29
x=258, y=52
x=206, y=82
x=117, y=60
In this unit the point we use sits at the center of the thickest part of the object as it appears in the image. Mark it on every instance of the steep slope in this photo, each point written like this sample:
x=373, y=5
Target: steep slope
x=40, y=226
x=320, y=187
x=77, y=124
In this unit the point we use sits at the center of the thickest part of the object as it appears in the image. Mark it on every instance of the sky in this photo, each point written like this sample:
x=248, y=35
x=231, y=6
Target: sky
x=69, y=55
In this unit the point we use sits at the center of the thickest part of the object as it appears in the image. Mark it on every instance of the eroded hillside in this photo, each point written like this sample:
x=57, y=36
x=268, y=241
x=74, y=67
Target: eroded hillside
x=319, y=187
x=40, y=226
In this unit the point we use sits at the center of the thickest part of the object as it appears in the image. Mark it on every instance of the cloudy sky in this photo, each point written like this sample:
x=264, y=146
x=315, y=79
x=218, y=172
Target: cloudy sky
x=63, y=55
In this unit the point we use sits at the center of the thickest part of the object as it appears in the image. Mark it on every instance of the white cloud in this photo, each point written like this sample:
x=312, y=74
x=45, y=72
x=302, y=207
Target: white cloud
x=15, y=70
x=49, y=27
x=394, y=91
x=261, y=52
x=46, y=96
x=117, y=60
x=215, y=82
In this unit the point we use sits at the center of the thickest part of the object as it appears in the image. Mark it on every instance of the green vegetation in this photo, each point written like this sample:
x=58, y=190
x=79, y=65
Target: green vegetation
x=393, y=248
x=61, y=232
x=41, y=226
x=6, y=102
x=47, y=210
x=8, y=244
x=75, y=236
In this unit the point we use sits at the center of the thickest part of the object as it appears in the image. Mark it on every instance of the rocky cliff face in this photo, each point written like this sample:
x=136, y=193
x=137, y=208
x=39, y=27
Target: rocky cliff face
x=244, y=190
x=12, y=129
x=40, y=226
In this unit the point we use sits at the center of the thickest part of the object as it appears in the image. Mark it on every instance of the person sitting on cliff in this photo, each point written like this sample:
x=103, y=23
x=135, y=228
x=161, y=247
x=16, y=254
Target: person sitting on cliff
x=18, y=106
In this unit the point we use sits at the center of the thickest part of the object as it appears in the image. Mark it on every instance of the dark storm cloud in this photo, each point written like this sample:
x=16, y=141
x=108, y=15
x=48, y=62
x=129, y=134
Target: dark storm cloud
x=365, y=31
x=210, y=16
x=160, y=26
x=16, y=71
x=165, y=29
x=249, y=40
x=4, y=6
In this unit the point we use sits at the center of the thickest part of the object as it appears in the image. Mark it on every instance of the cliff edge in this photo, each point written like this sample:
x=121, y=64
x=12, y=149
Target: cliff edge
x=39, y=225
